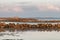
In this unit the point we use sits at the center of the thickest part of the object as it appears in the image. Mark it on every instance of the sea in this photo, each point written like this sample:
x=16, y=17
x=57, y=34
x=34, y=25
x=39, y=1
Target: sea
x=29, y=35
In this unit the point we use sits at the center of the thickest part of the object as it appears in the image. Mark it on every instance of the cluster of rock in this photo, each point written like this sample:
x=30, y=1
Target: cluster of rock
x=27, y=27
x=17, y=19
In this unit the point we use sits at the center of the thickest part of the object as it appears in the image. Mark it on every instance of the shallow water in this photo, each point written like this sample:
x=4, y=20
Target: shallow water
x=33, y=35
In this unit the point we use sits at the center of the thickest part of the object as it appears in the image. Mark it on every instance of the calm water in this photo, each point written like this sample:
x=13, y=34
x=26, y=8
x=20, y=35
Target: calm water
x=33, y=35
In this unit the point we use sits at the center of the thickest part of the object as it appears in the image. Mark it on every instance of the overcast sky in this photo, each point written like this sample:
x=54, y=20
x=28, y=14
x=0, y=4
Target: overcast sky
x=36, y=1
x=29, y=8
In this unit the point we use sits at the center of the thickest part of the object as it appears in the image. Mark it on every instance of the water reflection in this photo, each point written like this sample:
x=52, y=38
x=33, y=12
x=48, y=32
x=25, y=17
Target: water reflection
x=34, y=35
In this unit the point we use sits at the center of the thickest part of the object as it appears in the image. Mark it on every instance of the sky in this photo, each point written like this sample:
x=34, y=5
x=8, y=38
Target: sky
x=29, y=8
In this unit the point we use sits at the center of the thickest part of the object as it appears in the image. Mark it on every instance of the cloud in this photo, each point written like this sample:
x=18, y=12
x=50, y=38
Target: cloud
x=45, y=7
x=11, y=8
x=53, y=7
x=17, y=9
